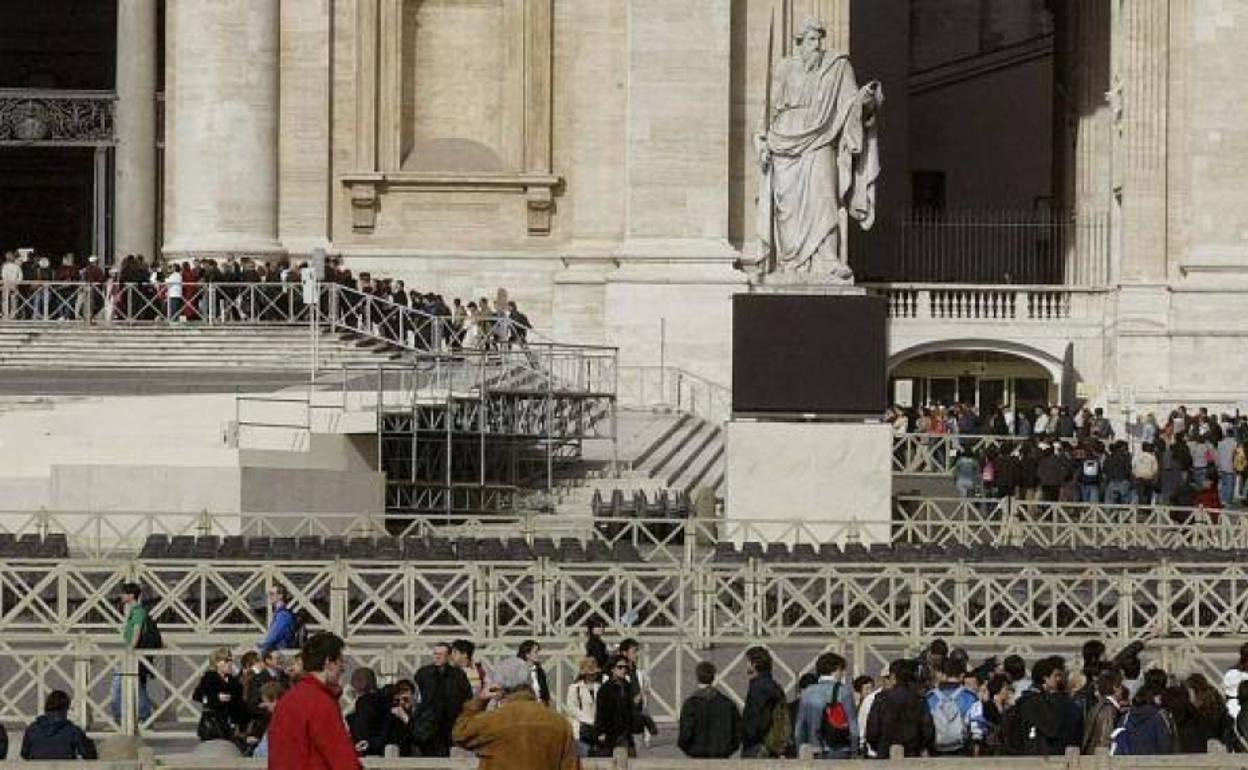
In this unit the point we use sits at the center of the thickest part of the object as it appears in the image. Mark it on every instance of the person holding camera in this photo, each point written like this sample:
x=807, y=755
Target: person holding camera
x=520, y=733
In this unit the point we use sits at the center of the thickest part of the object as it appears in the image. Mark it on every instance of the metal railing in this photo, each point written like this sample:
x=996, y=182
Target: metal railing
x=1038, y=596
x=987, y=246
x=666, y=387
x=916, y=520
x=931, y=454
x=85, y=668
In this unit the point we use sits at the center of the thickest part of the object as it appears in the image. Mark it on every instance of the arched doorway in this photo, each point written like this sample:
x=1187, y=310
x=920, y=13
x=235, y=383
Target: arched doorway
x=984, y=378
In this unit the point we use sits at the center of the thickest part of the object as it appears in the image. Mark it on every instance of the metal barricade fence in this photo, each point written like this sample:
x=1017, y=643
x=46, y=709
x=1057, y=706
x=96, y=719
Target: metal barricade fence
x=87, y=670
x=375, y=601
x=916, y=521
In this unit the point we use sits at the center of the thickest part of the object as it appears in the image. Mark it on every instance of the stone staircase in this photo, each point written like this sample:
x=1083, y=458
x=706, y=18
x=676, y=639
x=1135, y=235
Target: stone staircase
x=657, y=450
x=68, y=347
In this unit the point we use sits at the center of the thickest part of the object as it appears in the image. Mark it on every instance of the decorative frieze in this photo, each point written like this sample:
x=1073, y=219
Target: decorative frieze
x=56, y=117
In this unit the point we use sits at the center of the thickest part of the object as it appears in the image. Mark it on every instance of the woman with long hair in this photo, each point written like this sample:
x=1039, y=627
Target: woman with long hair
x=1210, y=721
x=580, y=704
x=221, y=694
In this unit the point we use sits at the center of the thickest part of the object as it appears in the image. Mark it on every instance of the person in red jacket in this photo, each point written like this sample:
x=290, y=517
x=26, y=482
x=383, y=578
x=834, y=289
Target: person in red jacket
x=307, y=731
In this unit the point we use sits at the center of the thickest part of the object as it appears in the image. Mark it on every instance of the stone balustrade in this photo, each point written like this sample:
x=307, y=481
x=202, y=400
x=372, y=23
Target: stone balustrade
x=965, y=302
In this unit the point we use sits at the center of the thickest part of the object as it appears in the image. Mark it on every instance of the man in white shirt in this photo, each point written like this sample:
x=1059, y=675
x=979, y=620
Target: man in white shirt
x=173, y=292
x=10, y=277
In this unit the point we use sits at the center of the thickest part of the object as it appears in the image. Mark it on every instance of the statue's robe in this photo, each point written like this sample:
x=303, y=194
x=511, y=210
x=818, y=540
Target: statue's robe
x=824, y=157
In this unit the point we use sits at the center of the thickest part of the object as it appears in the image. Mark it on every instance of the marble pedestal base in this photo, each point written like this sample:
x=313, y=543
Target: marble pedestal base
x=823, y=474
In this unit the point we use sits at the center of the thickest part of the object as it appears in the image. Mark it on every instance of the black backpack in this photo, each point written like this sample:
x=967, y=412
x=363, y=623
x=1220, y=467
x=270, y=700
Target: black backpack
x=1012, y=734
x=300, y=632
x=149, y=634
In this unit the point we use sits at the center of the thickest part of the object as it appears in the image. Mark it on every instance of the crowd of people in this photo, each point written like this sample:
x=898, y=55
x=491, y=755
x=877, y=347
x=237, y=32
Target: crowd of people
x=247, y=289
x=938, y=703
x=1191, y=459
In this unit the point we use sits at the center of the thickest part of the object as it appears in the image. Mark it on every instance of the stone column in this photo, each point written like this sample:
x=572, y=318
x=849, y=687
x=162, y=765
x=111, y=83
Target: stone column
x=1139, y=96
x=1091, y=185
x=134, y=175
x=676, y=260
x=223, y=127
x=1139, y=317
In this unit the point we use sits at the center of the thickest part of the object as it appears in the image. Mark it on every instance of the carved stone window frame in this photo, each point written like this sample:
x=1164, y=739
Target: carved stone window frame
x=379, y=127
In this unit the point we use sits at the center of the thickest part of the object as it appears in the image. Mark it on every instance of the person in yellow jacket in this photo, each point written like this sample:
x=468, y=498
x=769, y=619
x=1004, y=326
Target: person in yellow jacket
x=521, y=733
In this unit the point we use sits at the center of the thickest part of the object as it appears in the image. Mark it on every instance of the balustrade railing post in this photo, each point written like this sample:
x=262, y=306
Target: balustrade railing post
x=129, y=693
x=923, y=309
x=338, y=587
x=82, y=677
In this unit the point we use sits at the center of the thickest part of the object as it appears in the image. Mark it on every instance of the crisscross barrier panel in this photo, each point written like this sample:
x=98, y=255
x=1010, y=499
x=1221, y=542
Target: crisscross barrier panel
x=916, y=521
x=38, y=665
x=372, y=602
x=929, y=454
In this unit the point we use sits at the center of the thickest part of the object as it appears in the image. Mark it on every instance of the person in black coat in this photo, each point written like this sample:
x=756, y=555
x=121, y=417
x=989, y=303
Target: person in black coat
x=761, y=700
x=710, y=724
x=221, y=693
x=528, y=652
x=594, y=646
x=52, y=735
x=443, y=690
x=1042, y=718
x=403, y=724
x=370, y=721
x=900, y=716
x=613, y=712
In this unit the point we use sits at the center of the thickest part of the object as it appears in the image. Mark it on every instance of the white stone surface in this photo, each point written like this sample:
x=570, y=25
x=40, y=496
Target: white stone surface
x=135, y=169
x=223, y=127
x=169, y=454
x=812, y=472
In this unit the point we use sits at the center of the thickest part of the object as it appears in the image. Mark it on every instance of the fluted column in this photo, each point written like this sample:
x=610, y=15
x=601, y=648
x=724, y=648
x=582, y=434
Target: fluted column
x=1140, y=97
x=1092, y=118
x=135, y=123
x=222, y=128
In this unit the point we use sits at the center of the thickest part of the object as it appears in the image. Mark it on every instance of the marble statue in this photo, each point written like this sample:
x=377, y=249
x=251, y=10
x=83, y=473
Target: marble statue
x=819, y=161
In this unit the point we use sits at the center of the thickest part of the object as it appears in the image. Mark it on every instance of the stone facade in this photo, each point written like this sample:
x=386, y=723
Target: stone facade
x=593, y=157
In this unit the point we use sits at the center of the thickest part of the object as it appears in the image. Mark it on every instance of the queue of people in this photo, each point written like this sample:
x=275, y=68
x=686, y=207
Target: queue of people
x=245, y=290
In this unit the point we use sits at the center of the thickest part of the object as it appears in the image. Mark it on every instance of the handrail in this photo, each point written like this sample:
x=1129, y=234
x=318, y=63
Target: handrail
x=670, y=387
x=915, y=520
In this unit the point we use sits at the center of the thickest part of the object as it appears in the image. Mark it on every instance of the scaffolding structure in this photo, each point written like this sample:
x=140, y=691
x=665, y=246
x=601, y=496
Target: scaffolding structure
x=487, y=432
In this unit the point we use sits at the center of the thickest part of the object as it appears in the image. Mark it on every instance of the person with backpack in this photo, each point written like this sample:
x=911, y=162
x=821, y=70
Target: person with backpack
x=1035, y=726
x=826, y=717
x=899, y=715
x=710, y=723
x=139, y=633
x=1089, y=473
x=766, y=729
x=950, y=705
x=1146, y=730
x=284, y=627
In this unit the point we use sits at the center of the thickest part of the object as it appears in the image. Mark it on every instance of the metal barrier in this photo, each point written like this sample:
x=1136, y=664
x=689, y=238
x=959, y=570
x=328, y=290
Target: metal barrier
x=86, y=669
x=930, y=454
x=916, y=520
x=649, y=387
x=374, y=601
